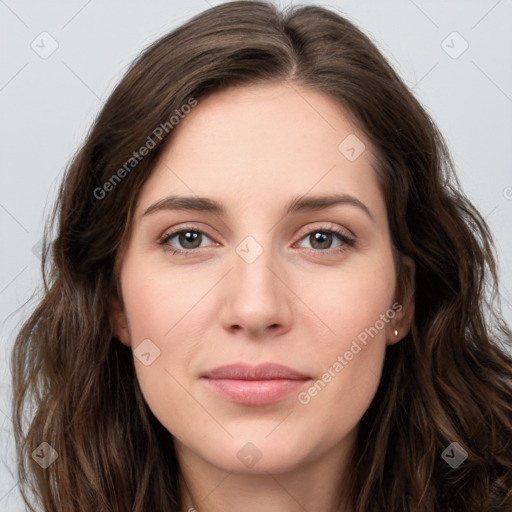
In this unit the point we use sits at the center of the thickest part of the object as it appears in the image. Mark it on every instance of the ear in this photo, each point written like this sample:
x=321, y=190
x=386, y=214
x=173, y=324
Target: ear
x=119, y=322
x=404, y=303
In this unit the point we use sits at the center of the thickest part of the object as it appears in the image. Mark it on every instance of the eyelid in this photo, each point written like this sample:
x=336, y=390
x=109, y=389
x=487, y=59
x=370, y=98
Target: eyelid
x=329, y=226
x=167, y=235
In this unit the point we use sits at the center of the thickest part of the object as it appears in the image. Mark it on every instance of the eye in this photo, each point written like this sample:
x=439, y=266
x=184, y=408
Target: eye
x=321, y=240
x=189, y=239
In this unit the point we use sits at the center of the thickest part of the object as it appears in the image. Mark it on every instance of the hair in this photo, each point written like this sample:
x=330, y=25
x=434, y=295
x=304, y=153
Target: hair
x=450, y=378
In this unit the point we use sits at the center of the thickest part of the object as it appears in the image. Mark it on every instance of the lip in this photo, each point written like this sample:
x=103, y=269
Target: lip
x=244, y=371
x=254, y=385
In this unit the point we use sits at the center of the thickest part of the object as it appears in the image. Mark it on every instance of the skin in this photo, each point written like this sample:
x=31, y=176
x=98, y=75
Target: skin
x=255, y=148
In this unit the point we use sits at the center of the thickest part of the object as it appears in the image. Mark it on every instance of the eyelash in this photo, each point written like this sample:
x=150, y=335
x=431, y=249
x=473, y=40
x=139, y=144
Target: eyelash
x=346, y=241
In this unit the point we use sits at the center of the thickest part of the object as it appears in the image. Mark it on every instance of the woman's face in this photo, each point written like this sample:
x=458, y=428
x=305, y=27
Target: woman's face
x=262, y=281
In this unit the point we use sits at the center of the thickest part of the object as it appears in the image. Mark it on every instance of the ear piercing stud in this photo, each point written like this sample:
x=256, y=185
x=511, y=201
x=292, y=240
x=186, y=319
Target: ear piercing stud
x=396, y=332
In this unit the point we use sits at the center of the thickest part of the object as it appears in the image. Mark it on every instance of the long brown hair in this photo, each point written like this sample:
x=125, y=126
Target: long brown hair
x=449, y=380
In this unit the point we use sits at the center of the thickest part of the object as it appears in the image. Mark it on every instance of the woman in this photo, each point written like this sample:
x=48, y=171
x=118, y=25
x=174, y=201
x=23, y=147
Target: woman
x=191, y=353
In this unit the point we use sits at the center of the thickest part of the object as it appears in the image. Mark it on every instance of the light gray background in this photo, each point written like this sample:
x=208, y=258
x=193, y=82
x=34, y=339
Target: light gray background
x=49, y=104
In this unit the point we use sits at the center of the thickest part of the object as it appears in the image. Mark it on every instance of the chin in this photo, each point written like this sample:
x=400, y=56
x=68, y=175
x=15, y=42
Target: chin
x=257, y=456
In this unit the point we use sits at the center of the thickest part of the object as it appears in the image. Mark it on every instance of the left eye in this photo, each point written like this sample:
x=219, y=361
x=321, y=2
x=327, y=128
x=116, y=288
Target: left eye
x=323, y=238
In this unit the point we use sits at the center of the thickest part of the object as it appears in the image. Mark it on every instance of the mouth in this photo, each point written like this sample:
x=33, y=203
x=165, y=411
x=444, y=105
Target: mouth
x=254, y=385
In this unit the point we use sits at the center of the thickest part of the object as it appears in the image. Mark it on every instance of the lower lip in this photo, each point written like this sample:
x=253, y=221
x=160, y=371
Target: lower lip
x=255, y=392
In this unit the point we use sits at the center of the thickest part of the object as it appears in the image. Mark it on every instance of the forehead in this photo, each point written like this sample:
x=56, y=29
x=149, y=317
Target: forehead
x=244, y=143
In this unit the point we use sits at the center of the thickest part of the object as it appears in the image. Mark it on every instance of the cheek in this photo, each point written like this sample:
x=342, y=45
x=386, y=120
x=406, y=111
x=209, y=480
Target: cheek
x=159, y=303
x=165, y=308
x=351, y=299
x=159, y=313
x=355, y=309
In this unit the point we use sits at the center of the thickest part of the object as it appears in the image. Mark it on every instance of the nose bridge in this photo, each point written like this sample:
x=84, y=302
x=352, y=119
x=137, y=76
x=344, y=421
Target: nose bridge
x=256, y=297
x=254, y=259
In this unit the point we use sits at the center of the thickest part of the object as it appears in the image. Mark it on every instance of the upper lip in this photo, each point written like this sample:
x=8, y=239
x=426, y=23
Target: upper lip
x=244, y=371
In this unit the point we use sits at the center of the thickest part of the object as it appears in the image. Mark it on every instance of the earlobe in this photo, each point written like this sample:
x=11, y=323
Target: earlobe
x=119, y=323
x=400, y=326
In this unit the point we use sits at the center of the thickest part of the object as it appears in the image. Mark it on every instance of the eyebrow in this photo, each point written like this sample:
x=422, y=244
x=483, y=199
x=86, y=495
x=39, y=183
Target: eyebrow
x=299, y=204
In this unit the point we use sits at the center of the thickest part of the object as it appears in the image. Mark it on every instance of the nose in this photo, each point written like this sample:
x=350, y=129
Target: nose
x=256, y=298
